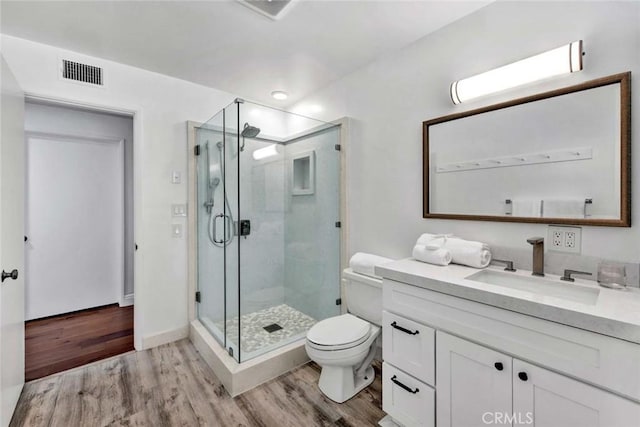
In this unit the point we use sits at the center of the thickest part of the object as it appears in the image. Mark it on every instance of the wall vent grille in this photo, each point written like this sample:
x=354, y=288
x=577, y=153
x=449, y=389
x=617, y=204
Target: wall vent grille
x=271, y=9
x=84, y=73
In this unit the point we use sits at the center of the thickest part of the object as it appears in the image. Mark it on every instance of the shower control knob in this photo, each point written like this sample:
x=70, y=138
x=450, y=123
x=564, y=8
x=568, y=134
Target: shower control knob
x=13, y=275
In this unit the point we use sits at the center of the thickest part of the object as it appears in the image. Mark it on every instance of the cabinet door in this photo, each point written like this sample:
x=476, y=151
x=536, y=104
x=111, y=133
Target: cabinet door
x=409, y=345
x=552, y=400
x=473, y=383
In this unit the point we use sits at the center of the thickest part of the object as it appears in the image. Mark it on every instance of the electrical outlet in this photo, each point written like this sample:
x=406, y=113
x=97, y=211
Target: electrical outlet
x=565, y=239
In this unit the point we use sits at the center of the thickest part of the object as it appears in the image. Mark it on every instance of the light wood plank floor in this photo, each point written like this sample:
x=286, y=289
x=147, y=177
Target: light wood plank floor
x=172, y=386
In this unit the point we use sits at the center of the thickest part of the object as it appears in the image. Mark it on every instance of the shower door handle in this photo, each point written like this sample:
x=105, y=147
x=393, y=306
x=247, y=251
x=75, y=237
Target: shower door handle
x=228, y=224
x=215, y=222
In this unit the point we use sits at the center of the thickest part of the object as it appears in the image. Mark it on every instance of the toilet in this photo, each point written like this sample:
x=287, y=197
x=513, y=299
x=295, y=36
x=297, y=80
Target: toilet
x=344, y=346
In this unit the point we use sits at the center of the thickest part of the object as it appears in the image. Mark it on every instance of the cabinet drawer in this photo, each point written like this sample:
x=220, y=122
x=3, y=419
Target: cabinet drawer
x=408, y=400
x=409, y=345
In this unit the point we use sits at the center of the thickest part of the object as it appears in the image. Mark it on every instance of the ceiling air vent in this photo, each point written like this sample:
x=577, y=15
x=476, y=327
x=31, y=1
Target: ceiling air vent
x=83, y=73
x=272, y=9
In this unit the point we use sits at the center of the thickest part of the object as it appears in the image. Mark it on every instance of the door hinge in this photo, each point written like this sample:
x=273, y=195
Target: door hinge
x=339, y=301
x=338, y=224
x=196, y=150
x=136, y=246
x=198, y=299
x=338, y=147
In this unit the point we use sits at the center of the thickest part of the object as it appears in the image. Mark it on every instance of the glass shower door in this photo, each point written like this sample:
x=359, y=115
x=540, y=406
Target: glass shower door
x=210, y=205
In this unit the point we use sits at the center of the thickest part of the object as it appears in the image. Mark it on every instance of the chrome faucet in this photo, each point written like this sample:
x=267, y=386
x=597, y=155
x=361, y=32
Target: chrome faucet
x=538, y=255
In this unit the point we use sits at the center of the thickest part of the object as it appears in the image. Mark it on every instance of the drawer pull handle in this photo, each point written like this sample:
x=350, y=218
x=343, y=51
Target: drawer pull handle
x=399, y=384
x=498, y=366
x=523, y=376
x=405, y=330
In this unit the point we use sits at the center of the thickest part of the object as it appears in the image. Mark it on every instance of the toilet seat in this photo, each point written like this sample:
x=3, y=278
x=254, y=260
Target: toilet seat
x=339, y=333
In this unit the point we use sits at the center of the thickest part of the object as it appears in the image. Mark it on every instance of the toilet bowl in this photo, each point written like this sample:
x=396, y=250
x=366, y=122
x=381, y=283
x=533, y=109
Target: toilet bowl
x=344, y=346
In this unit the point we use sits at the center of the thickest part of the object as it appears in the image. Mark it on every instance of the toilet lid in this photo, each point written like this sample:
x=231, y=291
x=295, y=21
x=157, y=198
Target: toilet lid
x=339, y=331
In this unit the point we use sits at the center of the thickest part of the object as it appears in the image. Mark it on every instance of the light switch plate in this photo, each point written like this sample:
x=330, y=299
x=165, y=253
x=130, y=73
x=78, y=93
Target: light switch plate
x=176, y=177
x=176, y=230
x=178, y=210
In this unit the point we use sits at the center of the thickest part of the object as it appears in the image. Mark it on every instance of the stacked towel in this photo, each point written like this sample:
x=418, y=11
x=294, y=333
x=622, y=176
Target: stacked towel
x=466, y=252
x=364, y=263
x=437, y=255
x=563, y=208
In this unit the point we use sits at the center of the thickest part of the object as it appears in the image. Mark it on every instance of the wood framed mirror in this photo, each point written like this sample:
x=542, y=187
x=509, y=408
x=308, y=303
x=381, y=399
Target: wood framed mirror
x=558, y=157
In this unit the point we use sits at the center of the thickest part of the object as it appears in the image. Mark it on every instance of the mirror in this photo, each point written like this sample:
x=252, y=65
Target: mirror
x=560, y=157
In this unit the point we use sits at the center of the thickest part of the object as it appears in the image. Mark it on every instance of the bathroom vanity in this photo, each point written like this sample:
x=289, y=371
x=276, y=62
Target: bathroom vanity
x=469, y=347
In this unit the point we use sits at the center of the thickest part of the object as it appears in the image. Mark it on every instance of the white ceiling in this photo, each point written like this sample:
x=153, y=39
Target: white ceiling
x=224, y=45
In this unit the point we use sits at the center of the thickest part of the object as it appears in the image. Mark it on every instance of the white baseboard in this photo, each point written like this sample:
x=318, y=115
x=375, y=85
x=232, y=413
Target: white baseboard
x=165, y=337
x=126, y=300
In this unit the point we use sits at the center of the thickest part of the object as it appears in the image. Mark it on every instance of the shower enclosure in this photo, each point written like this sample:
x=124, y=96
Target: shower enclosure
x=268, y=242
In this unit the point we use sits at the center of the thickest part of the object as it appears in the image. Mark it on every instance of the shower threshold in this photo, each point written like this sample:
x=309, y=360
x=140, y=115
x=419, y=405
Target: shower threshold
x=267, y=354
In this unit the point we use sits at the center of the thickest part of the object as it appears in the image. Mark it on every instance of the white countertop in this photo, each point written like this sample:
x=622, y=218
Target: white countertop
x=615, y=313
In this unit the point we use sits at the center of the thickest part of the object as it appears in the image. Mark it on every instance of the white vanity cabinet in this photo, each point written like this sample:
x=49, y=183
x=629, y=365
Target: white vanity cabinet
x=477, y=386
x=484, y=365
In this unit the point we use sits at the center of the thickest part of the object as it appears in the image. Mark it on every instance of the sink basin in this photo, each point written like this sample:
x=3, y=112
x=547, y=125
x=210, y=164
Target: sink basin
x=538, y=285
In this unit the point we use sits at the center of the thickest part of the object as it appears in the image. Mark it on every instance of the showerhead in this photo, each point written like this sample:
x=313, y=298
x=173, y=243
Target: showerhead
x=250, y=131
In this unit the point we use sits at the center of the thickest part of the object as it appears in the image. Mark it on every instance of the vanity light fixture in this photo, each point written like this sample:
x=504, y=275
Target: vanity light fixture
x=563, y=60
x=263, y=153
x=279, y=95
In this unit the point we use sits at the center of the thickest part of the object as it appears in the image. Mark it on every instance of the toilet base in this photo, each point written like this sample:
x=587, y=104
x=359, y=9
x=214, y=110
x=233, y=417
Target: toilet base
x=340, y=383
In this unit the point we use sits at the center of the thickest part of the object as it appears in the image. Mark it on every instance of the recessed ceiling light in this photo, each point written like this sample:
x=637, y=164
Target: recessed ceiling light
x=279, y=95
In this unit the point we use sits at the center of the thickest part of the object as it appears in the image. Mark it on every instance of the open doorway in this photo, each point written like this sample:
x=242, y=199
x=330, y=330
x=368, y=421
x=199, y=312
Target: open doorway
x=79, y=242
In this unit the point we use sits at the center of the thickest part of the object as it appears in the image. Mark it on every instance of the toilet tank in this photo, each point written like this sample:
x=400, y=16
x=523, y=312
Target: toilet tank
x=363, y=295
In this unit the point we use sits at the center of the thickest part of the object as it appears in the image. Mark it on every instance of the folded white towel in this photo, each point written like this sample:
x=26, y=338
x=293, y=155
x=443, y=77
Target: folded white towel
x=466, y=252
x=364, y=263
x=437, y=256
x=527, y=208
x=563, y=208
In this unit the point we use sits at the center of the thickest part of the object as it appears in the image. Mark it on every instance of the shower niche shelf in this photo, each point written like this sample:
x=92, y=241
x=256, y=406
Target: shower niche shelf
x=303, y=173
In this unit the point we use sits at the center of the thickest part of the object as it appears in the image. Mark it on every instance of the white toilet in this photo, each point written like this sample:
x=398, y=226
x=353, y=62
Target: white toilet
x=344, y=346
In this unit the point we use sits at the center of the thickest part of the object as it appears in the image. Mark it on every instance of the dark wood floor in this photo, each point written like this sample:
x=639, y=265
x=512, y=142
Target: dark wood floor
x=63, y=342
x=172, y=386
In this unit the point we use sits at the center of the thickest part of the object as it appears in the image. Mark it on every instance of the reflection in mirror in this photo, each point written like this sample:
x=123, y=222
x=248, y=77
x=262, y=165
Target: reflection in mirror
x=558, y=157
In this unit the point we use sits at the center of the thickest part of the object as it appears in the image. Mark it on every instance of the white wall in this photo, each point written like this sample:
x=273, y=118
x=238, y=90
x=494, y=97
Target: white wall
x=390, y=98
x=163, y=105
x=72, y=121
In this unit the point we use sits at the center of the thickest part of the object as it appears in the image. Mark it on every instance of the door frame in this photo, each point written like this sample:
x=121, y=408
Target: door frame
x=136, y=113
